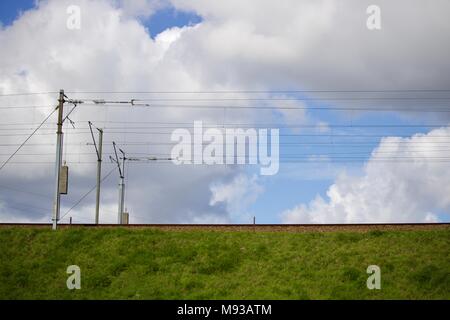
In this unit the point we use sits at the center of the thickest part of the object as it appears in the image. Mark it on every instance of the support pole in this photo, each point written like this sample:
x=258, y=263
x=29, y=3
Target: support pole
x=99, y=174
x=122, y=189
x=98, y=152
x=121, y=199
x=59, y=137
x=121, y=182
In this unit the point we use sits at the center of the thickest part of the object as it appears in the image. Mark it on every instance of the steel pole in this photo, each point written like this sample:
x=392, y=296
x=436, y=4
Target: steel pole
x=59, y=135
x=121, y=198
x=99, y=175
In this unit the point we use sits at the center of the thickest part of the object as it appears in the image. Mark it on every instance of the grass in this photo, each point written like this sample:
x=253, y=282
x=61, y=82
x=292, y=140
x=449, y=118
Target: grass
x=124, y=263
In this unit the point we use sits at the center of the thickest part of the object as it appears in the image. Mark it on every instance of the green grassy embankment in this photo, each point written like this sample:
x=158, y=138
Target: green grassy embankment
x=119, y=263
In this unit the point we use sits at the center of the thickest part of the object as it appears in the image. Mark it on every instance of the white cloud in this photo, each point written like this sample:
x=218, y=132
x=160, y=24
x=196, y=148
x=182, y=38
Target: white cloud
x=405, y=180
x=237, y=195
x=320, y=44
x=111, y=52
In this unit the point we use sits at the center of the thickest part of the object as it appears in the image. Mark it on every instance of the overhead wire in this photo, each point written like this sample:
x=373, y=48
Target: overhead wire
x=86, y=194
x=26, y=140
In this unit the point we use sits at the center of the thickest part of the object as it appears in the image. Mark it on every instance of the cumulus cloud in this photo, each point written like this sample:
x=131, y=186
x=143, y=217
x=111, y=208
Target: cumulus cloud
x=237, y=195
x=111, y=52
x=321, y=44
x=405, y=180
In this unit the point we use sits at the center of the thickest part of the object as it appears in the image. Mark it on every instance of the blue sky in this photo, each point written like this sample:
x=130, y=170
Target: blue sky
x=169, y=17
x=296, y=183
x=164, y=18
x=288, y=189
x=11, y=9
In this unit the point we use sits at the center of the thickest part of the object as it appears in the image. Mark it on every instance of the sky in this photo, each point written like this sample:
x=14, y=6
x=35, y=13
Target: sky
x=11, y=10
x=342, y=96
